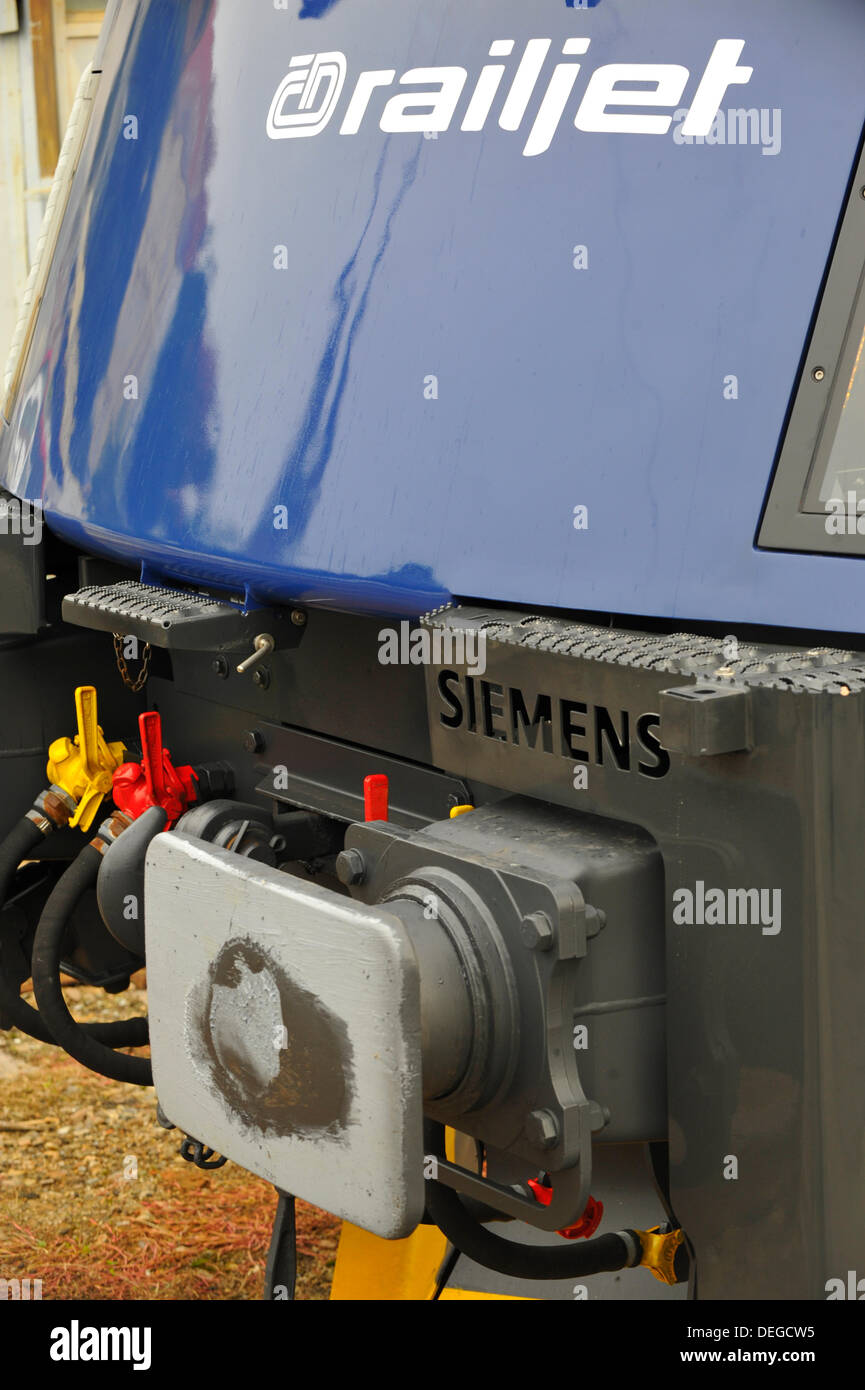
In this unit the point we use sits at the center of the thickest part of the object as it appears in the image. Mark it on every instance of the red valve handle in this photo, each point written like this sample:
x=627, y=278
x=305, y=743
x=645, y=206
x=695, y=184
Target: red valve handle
x=588, y=1222
x=155, y=781
x=375, y=793
x=152, y=753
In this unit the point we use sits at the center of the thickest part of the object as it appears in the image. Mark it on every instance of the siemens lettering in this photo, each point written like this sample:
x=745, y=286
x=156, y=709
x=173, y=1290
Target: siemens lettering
x=551, y=724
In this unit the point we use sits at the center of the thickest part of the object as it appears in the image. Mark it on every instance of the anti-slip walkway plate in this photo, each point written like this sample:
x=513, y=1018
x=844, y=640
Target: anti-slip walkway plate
x=285, y=1021
x=174, y=618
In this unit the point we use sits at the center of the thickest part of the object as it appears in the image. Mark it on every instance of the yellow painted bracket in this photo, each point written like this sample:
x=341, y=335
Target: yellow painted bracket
x=371, y=1269
x=83, y=766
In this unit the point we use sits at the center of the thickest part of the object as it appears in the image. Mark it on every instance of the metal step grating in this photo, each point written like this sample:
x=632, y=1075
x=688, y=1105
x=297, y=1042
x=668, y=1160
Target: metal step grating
x=171, y=618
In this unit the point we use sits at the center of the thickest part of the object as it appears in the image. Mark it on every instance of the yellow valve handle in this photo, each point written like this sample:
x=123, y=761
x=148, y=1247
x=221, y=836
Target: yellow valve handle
x=659, y=1253
x=83, y=766
x=88, y=729
x=90, y=802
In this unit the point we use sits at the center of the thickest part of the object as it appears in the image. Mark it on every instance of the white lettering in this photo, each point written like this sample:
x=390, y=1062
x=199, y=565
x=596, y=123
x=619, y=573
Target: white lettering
x=437, y=108
x=721, y=72
x=308, y=94
x=670, y=81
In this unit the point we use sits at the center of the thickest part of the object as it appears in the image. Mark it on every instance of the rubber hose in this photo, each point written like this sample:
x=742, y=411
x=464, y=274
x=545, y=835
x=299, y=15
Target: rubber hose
x=281, y=1269
x=132, y=1032
x=609, y=1252
x=47, y=948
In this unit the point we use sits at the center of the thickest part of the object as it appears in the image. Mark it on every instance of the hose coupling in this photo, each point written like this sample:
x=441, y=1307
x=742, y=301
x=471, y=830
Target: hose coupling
x=664, y=1254
x=52, y=809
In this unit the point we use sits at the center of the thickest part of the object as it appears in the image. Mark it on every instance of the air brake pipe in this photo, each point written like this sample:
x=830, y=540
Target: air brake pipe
x=78, y=1040
x=51, y=811
x=622, y=1250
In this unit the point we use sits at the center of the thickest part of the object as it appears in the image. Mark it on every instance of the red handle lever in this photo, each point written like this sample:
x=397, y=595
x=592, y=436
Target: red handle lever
x=375, y=792
x=152, y=753
x=155, y=781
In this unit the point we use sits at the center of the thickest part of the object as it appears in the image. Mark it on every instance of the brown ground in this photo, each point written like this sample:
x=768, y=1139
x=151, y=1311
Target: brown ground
x=96, y=1202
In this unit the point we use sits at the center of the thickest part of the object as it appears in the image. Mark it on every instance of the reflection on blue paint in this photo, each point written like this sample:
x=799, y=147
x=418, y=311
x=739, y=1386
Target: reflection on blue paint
x=312, y=9
x=302, y=473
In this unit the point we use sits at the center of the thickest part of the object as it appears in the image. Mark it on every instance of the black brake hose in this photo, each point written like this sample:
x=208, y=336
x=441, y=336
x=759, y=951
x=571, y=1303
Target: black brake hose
x=280, y=1275
x=622, y=1250
x=132, y=1032
x=78, y=1041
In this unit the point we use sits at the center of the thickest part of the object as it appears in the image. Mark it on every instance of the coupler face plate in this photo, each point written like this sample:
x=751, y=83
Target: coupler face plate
x=285, y=1021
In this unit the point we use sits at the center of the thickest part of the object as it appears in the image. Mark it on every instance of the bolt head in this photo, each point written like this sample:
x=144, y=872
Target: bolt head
x=350, y=867
x=537, y=932
x=541, y=1129
x=219, y=667
x=252, y=741
x=818, y=373
x=298, y=617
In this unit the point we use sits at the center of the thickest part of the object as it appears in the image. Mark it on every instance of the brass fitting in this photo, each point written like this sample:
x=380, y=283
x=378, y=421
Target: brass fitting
x=659, y=1253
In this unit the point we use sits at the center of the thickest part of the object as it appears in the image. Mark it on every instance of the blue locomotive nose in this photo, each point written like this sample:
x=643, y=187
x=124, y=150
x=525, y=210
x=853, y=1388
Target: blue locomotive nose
x=352, y=309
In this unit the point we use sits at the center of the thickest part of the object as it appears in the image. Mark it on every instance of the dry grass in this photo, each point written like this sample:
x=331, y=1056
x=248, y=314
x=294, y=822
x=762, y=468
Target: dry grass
x=96, y=1202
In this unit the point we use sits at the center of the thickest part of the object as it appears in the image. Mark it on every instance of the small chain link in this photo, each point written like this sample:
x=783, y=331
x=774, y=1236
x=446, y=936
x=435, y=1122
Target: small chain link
x=140, y=680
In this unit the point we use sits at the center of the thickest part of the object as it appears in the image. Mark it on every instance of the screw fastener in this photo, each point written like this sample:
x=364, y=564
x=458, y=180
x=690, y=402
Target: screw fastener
x=350, y=867
x=541, y=1128
x=537, y=932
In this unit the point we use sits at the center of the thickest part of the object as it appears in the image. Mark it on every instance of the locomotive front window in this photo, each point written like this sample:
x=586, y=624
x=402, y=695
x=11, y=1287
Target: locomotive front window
x=844, y=472
x=817, y=498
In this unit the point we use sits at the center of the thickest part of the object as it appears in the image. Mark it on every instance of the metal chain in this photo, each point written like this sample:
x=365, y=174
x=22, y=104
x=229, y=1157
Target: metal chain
x=139, y=681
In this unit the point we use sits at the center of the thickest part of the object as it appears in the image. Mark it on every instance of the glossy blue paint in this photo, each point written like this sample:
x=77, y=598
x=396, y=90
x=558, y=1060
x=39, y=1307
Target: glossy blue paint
x=409, y=258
